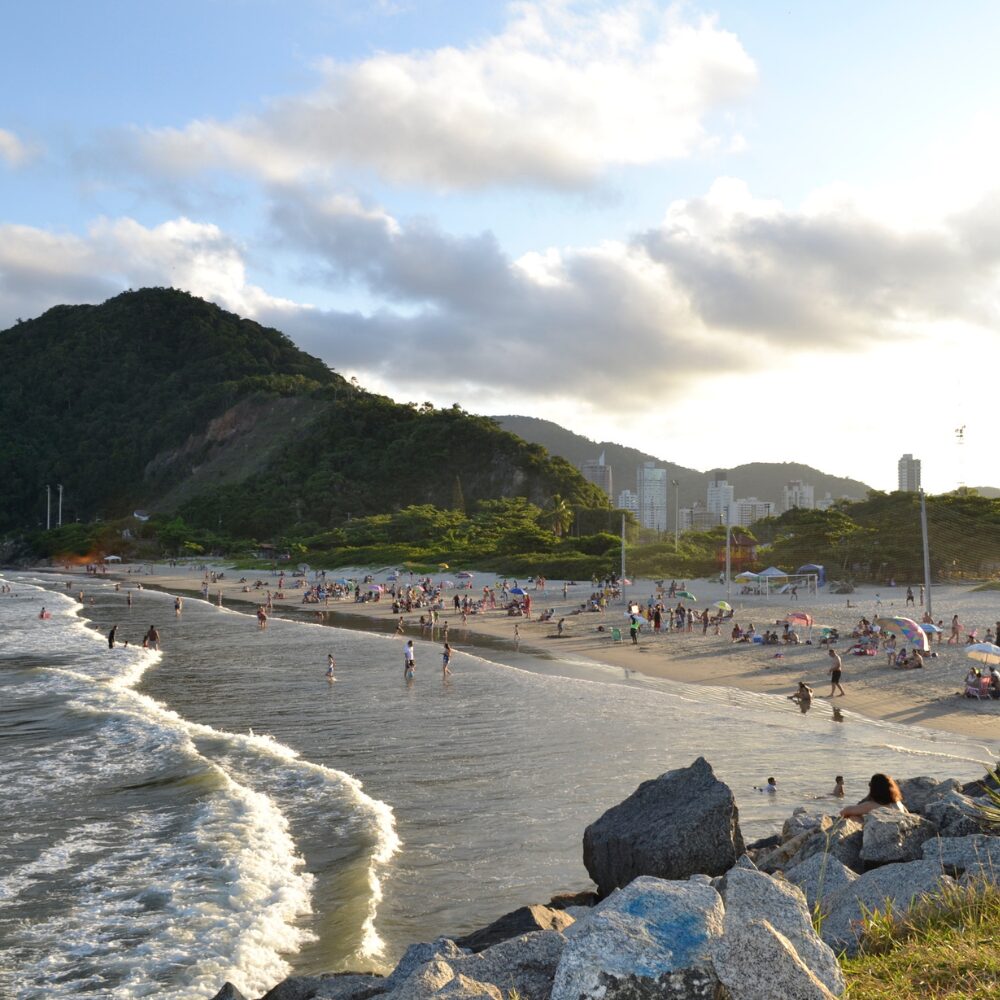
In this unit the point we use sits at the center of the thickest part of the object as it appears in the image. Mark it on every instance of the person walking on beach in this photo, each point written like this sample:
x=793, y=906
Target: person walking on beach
x=399, y=626
x=445, y=660
x=409, y=660
x=836, y=669
x=111, y=636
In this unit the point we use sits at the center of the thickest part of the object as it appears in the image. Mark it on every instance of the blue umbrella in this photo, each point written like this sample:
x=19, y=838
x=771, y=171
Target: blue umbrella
x=516, y=590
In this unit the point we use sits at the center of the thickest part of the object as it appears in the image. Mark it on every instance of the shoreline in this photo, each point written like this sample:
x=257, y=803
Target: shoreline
x=929, y=700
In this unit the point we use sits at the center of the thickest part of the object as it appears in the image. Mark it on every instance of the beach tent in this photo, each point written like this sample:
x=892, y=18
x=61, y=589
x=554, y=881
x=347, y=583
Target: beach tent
x=745, y=577
x=773, y=573
x=813, y=568
x=112, y=558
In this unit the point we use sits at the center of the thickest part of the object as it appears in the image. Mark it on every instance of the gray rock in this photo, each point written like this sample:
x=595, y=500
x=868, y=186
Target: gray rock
x=956, y=815
x=890, y=835
x=420, y=954
x=750, y=895
x=336, y=986
x=437, y=979
x=229, y=992
x=651, y=939
x=756, y=962
x=523, y=920
x=899, y=884
x=525, y=964
x=919, y=792
x=819, y=876
x=683, y=823
x=976, y=855
x=842, y=841
x=801, y=821
x=564, y=900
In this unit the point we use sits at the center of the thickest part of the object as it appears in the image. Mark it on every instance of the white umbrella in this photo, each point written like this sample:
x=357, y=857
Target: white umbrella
x=985, y=652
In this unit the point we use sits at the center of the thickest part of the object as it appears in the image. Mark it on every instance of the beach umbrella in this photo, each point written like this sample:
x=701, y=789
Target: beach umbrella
x=723, y=606
x=907, y=630
x=519, y=591
x=745, y=577
x=984, y=652
x=929, y=628
x=464, y=575
x=799, y=618
x=687, y=595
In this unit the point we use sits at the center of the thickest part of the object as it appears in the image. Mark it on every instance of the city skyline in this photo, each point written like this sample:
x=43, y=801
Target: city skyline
x=716, y=221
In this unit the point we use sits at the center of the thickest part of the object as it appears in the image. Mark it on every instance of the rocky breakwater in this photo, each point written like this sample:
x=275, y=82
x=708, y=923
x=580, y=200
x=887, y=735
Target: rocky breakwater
x=684, y=911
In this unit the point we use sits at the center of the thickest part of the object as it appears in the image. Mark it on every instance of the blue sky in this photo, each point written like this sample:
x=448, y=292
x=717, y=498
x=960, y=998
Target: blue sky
x=647, y=221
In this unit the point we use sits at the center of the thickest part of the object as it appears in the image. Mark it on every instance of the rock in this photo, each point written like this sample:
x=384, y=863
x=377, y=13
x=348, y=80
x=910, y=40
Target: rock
x=683, y=823
x=918, y=792
x=437, y=979
x=890, y=835
x=819, y=876
x=651, y=939
x=842, y=841
x=757, y=962
x=750, y=895
x=898, y=883
x=523, y=920
x=976, y=855
x=564, y=900
x=420, y=954
x=990, y=781
x=955, y=815
x=801, y=821
x=461, y=987
x=295, y=988
x=229, y=992
x=525, y=965
x=764, y=844
x=349, y=986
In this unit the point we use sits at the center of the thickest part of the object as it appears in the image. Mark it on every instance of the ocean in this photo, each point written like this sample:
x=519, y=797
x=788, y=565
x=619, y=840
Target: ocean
x=220, y=810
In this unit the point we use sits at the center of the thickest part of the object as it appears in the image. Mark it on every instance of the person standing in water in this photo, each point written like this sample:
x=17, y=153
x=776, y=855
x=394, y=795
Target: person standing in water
x=178, y=604
x=445, y=660
x=409, y=660
x=152, y=639
x=111, y=636
x=330, y=664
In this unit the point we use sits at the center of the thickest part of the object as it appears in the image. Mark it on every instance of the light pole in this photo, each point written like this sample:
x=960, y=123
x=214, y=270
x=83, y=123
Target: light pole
x=677, y=511
x=60, y=506
x=48, y=508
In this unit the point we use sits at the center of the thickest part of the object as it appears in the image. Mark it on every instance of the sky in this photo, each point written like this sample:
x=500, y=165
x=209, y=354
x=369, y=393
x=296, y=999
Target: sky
x=720, y=233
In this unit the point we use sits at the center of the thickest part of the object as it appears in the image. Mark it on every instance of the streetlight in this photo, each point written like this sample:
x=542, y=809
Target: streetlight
x=677, y=511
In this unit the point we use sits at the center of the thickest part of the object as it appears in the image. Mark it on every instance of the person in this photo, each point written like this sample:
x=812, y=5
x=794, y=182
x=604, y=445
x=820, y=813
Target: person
x=882, y=791
x=909, y=596
x=111, y=636
x=261, y=617
x=399, y=626
x=152, y=639
x=836, y=669
x=838, y=787
x=178, y=603
x=409, y=660
x=43, y=612
x=128, y=598
x=633, y=629
x=445, y=660
x=803, y=695
x=330, y=664
x=771, y=787
x=560, y=626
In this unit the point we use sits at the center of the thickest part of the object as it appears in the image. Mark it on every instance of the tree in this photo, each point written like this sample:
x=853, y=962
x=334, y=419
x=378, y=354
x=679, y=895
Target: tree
x=558, y=516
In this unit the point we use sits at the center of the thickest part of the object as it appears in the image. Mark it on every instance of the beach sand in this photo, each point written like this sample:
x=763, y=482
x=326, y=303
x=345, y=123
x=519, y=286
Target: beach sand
x=929, y=697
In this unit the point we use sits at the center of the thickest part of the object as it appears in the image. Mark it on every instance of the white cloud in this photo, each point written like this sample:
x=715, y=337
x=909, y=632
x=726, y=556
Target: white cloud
x=14, y=151
x=562, y=93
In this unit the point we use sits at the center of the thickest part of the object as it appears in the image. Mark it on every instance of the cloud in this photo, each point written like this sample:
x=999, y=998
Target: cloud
x=14, y=151
x=40, y=269
x=563, y=92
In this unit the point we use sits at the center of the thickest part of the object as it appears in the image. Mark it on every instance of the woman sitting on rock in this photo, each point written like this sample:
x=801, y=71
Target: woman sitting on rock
x=882, y=792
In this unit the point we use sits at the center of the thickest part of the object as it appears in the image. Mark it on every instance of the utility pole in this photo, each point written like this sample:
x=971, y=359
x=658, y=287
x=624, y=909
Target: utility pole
x=677, y=511
x=927, y=551
x=729, y=558
x=48, y=508
x=623, y=557
x=60, y=505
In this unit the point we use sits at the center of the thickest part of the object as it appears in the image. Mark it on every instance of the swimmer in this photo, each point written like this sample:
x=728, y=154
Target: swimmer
x=838, y=787
x=771, y=787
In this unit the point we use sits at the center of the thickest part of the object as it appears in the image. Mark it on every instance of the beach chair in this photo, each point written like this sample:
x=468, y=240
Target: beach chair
x=616, y=634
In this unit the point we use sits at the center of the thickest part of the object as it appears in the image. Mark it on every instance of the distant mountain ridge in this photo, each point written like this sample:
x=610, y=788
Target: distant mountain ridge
x=764, y=480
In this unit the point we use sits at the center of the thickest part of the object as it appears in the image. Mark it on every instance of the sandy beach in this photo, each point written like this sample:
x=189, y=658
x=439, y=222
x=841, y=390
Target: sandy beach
x=929, y=697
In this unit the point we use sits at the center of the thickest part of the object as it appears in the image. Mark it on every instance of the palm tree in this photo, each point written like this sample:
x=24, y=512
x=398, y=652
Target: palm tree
x=558, y=516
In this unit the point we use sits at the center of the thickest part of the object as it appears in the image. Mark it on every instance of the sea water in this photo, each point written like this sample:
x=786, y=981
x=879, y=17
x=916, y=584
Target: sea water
x=221, y=810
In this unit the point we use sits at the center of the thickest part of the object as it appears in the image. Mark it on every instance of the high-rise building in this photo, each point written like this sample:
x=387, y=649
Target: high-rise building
x=798, y=494
x=909, y=474
x=720, y=495
x=698, y=518
x=627, y=500
x=595, y=471
x=651, y=485
x=743, y=513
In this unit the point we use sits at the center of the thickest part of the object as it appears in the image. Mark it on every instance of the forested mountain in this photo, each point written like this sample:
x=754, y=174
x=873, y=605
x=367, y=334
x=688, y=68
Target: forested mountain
x=158, y=399
x=764, y=480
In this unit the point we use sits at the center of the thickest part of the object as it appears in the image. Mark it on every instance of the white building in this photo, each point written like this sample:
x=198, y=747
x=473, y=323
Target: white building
x=909, y=474
x=743, y=513
x=798, y=494
x=627, y=500
x=699, y=518
x=651, y=485
x=720, y=496
x=595, y=471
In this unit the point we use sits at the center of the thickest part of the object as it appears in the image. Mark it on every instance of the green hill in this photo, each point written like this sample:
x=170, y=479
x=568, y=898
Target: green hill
x=160, y=400
x=760, y=479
